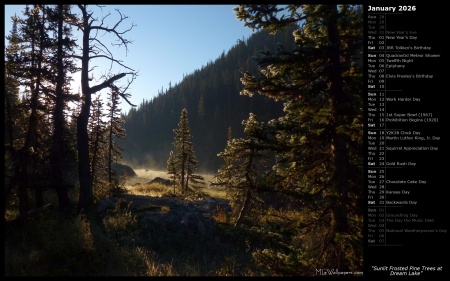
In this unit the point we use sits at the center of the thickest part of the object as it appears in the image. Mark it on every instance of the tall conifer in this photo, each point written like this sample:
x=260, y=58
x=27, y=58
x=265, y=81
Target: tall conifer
x=318, y=141
x=185, y=156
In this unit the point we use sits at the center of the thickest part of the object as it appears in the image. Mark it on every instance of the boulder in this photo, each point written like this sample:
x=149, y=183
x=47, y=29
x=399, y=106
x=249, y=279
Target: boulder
x=123, y=170
x=160, y=181
x=182, y=218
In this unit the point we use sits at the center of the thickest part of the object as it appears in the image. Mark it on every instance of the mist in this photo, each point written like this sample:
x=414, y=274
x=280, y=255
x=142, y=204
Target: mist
x=144, y=176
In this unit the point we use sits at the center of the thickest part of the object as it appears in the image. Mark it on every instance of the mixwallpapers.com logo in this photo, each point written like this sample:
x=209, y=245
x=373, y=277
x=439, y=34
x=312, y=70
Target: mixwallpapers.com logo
x=331, y=271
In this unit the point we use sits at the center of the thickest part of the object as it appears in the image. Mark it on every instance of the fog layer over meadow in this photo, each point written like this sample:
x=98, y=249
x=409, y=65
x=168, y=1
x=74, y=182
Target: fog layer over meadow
x=146, y=175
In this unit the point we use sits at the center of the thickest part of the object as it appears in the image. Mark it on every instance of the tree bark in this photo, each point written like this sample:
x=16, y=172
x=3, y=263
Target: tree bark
x=339, y=150
x=250, y=186
x=341, y=164
x=84, y=172
x=86, y=194
x=244, y=208
x=57, y=153
x=25, y=171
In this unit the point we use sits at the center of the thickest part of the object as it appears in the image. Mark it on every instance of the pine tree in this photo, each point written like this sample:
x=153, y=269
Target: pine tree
x=115, y=130
x=185, y=156
x=193, y=180
x=318, y=142
x=241, y=175
x=225, y=175
x=201, y=107
x=42, y=66
x=172, y=170
x=11, y=86
x=12, y=121
x=59, y=16
x=97, y=140
x=32, y=72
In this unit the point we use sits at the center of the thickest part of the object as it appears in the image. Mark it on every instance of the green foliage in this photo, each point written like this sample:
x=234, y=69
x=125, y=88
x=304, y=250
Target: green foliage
x=245, y=160
x=183, y=163
x=218, y=82
x=317, y=143
x=294, y=181
x=172, y=170
x=115, y=130
x=36, y=122
x=97, y=128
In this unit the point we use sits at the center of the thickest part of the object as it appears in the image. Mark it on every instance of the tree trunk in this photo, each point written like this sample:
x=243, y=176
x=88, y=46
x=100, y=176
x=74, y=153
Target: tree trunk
x=10, y=131
x=21, y=178
x=86, y=194
x=340, y=101
x=183, y=168
x=250, y=186
x=57, y=153
x=110, y=148
x=25, y=169
x=244, y=208
x=84, y=172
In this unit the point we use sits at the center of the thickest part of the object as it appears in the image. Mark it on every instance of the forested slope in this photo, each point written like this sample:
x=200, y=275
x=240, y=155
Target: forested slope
x=212, y=98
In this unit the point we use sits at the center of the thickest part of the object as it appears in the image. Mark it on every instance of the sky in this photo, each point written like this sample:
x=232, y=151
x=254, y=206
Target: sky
x=169, y=41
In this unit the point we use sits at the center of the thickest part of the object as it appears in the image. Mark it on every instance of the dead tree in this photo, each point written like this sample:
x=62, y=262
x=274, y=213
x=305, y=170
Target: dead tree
x=93, y=48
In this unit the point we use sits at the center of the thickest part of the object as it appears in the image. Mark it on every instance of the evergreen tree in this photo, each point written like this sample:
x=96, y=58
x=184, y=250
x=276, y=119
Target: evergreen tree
x=41, y=66
x=219, y=85
x=97, y=141
x=245, y=160
x=318, y=142
x=31, y=64
x=11, y=85
x=59, y=160
x=201, y=107
x=225, y=173
x=185, y=155
x=172, y=169
x=11, y=121
x=114, y=131
x=193, y=180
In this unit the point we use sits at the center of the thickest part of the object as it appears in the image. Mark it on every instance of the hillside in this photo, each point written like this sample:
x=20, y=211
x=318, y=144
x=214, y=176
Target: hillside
x=212, y=98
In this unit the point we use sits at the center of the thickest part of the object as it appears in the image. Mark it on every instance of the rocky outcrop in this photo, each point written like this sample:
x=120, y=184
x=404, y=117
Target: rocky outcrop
x=123, y=170
x=190, y=218
x=160, y=181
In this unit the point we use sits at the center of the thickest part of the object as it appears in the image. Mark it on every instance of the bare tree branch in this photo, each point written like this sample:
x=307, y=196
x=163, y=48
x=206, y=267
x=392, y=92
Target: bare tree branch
x=107, y=83
x=122, y=92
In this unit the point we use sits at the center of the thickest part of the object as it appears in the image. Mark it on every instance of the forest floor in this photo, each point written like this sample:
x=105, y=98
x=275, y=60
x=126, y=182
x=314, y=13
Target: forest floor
x=182, y=230
x=144, y=231
x=156, y=204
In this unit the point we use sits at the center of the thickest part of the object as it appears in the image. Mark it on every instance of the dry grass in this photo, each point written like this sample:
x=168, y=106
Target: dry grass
x=154, y=189
x=139, y=185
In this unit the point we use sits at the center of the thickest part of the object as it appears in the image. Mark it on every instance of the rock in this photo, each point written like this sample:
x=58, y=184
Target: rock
x=184, y=218
x=123, y=170
x=160, y=181
x=105, y=204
